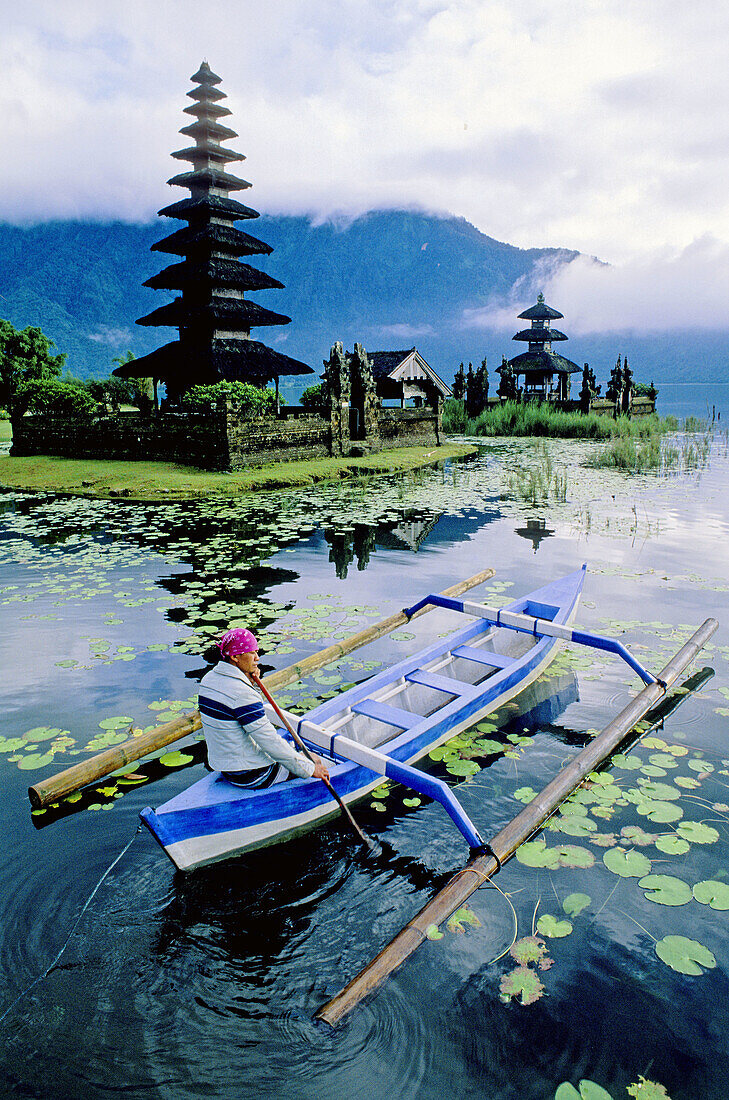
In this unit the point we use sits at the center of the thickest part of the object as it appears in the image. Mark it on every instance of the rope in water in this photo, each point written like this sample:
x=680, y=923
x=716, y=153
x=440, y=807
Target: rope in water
x=90, y=898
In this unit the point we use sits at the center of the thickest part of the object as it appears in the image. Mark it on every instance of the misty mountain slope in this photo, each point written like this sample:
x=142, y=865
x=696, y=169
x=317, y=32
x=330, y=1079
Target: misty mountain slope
x=82, y=282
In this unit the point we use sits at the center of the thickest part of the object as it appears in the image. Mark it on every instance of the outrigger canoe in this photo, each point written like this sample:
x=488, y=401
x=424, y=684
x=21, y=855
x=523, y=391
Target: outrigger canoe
x=383, y=726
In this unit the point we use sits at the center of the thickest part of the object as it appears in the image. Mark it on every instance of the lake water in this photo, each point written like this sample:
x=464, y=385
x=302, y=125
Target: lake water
x=700, y=399
x=205, y=985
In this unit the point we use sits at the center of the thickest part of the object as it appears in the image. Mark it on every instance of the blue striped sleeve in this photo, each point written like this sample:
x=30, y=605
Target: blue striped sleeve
x=211, y=708
x=250, y=713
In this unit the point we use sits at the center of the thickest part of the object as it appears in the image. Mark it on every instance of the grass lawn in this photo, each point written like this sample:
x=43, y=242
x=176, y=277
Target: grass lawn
x=165, y=481
x=6, y=431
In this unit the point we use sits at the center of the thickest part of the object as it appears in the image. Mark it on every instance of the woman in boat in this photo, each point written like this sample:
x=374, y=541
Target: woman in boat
x=242, y=742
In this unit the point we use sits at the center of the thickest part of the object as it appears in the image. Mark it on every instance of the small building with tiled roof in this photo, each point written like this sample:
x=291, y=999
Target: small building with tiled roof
x=405, y=376
x=545, y=373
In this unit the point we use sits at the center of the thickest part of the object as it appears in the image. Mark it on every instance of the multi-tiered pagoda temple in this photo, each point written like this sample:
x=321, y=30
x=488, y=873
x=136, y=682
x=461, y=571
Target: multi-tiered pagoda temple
x=212, y=313
x=546, y=373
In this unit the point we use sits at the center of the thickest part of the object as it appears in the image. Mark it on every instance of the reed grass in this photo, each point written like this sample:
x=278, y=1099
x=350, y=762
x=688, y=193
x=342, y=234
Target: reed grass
x=541, y=420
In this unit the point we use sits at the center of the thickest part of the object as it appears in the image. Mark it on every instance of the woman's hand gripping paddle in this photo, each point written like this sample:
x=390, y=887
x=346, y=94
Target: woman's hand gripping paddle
x=298, y=741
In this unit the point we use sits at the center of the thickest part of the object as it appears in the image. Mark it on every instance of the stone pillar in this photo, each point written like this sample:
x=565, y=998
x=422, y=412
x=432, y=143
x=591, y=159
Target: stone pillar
x=336, y=374
x=363, y=393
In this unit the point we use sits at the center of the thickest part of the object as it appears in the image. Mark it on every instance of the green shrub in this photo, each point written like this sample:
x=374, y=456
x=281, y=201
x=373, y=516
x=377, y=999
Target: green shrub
x=315, y=399
x=52, y=397
x=245, y=398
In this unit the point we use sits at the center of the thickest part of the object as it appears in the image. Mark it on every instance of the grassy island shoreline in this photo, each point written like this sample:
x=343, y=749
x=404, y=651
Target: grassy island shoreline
x=167, y=481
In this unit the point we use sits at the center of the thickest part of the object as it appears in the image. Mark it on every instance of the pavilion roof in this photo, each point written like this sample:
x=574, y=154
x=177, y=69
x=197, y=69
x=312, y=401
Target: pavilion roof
x=206, y=93
x=239, y=314
x=212, y=238
x=205, y=75
x=210, y=177
x=209, y=150
x=385, y=362
x=542, y=362
x=540, y=312
x=207, y=128
x=233, y=360
x=539, y=335
x=207, y=110
x=202, y=206
x=212, y=273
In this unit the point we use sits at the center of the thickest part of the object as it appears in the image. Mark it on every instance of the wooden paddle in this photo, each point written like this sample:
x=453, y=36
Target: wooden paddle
x=302, y=745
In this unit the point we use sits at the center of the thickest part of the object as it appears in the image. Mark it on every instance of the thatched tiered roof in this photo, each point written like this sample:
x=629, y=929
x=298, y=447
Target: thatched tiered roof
x=213, y=315
x=540, y=362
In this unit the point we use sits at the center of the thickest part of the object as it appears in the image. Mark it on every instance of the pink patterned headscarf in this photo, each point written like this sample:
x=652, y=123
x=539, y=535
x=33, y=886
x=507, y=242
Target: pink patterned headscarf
x=235, y=642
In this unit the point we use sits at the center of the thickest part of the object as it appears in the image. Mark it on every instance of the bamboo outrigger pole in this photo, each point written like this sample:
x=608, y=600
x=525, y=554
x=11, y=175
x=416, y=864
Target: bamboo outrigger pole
x=88, y=771
x=504, y=844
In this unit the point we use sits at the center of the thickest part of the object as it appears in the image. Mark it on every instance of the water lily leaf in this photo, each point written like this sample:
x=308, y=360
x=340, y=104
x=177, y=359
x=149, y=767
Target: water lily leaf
x=42, y=733
x=684, y=955
x=604, y=840
x=659, y=812
x=432, y=932
x=487, y=727
x=571, y=855
x=573, y=904
x=535, y=853
x=653, y=771
x=633, y=834
x=643, y=1089
x=663, y=760
x=522, y=984
x=463, y=916
x=660, y=791
x=626, y=864
x=35, y=760
x=697, y=833
x=378, y=806
x=687, y=782
x=116, y=723
x=697, y=765
x=629, y=762
x=486, y=746
x=443, y=752
x=591, y=1091
x=713, y=893
x=555, y=929
x=12, y=744
x=528, y=949
x=672, y=845
x=576, y=826
x=462, y=767
x=566, y=1091
x=411, y=802
x=525, y=794
x=175, y=759
x=665, y=889
x=654, y=743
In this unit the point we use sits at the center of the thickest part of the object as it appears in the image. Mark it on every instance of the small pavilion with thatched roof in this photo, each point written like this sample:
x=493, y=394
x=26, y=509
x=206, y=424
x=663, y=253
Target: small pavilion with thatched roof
x=212, y=314
x=545, y=373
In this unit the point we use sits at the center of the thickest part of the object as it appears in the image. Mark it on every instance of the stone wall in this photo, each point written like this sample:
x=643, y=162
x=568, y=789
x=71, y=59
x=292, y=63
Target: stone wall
x=254, y=442
x=408, y=427
x=189, y=439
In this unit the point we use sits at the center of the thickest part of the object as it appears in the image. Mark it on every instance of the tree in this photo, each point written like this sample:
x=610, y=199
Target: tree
x=459, y=384
x=25, y=356
x=52, y=397
x=316, y=399
x=507, y=385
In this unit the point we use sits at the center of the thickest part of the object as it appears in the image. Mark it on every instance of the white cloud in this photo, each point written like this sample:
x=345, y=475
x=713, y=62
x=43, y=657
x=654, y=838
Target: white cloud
x=580, y=123
x=657, y=292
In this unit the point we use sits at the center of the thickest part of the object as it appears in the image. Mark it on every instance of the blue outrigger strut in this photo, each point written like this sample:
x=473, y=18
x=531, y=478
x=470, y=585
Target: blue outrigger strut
x=538, y=625
x=336, y=745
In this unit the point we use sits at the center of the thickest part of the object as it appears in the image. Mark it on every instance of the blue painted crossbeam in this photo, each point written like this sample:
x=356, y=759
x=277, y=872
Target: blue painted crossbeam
x=483, y=656
x=441, y=683
x=383, y=712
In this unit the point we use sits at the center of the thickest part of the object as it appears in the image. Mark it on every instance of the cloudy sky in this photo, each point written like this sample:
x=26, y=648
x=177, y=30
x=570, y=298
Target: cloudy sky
x=598, y=125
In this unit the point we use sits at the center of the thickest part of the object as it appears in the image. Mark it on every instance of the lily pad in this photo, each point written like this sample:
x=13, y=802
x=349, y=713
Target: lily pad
x=12, y=744
x=697, y=833
x=712, y=893
x=462, y=767
x=552, y=927
x=666, y=889
x=35, y=760
x=643, y=1089
x=175, y=759
x=684, y=955
x=627, y=762
x=659, y=812
x=576, y=826
x=411, y=803
x=672, y=845
x=522, y=984
x=463, y=916
x=529, y=949
x=573, y=904
x=571, y=855
x=433, y=933
x=633, y=834
x=116, y=723
x=626, y=864
x=662, y=792
x=525, y=794
x=42, y=733
x=535, y=853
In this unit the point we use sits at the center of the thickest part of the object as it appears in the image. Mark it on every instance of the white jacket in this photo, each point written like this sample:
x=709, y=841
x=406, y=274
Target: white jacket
x=238, y=730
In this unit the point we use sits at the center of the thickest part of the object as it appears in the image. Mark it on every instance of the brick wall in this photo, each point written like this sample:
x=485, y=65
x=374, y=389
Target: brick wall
x=408, y=427
x=253, y=442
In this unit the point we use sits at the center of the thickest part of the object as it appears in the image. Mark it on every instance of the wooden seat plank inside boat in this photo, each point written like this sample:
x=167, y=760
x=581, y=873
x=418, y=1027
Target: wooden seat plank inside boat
x=447, y=684
x=483, y=656
x=383, y=712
